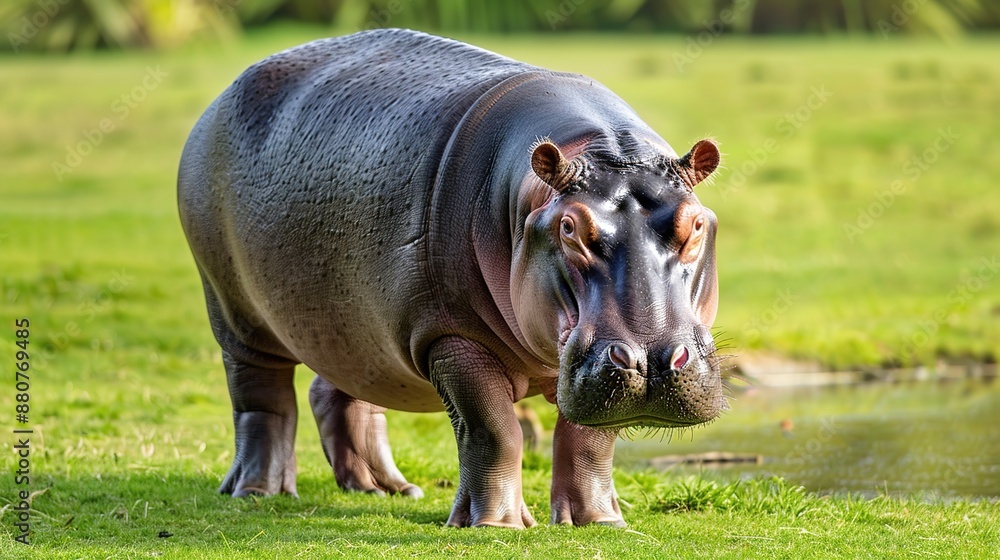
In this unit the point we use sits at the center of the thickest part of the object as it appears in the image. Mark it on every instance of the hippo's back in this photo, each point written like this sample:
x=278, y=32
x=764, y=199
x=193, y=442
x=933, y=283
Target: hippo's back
x=303, y=191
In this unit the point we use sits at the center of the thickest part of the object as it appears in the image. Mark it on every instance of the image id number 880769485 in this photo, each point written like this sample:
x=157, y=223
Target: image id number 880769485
x=22, y=433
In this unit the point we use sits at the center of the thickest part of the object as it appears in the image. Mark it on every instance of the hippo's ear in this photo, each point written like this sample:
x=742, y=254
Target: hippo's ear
x=551, y=166
x=699, y=163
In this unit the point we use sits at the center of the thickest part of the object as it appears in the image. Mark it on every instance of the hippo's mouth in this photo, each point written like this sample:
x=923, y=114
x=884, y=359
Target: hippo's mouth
x=642, y=421
x=570, y=314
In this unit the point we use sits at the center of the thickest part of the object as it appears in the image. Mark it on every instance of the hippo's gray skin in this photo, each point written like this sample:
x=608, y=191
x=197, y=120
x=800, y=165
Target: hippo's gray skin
x=429, y=225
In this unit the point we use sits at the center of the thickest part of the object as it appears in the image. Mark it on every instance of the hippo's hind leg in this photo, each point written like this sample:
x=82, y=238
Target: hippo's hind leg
x=264, y=415
x=355, y=441
x=264, y=409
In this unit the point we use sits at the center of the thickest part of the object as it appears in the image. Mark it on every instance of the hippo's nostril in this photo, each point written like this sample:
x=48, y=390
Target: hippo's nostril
x=679, y=358
x=621, y=356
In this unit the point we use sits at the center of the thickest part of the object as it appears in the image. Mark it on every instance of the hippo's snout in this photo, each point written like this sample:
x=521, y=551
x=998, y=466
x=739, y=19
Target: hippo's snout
x=619, y=384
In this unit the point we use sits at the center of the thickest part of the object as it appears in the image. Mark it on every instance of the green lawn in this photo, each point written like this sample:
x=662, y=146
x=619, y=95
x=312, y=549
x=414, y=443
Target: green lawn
x=128, y=400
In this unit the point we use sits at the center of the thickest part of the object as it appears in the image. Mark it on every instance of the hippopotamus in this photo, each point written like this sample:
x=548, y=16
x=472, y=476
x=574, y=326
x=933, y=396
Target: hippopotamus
x=431, y=226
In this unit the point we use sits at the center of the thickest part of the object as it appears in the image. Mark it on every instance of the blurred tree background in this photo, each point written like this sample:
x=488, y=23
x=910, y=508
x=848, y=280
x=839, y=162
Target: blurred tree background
x=67, y=25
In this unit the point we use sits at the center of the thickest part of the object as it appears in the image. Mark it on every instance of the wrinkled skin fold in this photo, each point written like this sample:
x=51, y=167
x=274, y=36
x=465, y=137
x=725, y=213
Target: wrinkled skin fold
x=428, y=225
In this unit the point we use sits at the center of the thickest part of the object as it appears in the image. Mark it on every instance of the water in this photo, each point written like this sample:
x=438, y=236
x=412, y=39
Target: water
x=932, y=439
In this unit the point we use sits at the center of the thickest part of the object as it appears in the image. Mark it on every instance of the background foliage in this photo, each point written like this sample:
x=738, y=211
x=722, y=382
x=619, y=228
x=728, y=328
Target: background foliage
x=63, y=25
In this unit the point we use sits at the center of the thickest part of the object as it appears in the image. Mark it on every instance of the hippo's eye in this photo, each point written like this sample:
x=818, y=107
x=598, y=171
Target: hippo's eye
x=699, y=224
x=567, y=226
x=694, y=240
x=573, y=246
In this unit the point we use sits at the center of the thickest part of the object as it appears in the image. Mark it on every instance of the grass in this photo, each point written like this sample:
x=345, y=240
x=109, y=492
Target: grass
x=125, y=513
x=128, y=401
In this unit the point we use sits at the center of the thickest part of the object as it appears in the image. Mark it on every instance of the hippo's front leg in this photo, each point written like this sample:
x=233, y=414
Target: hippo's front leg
x=479, y=396
x=582, y=489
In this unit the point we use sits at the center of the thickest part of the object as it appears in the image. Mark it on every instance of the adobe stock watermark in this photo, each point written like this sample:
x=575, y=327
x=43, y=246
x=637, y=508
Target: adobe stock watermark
x=562, y=12
x=380, y=18
x=31, y=24
x=213, y=14
x=963, y=293
x=954, y=472
x=828, y=429
x=756, y=325
x=787, y=126
x=121, y=107
x=899, y=16
x=913, y=169
x=949, y=93
x=88, y=308
x=225, y=7
x=695, y=45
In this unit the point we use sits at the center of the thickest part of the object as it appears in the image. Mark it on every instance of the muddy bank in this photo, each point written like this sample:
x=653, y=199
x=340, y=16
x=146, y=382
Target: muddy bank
x=772, y=370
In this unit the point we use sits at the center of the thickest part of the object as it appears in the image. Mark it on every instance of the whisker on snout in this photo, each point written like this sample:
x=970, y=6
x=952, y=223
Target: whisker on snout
x=719, y=338
x=721, y=362
x=667, y=435
x=728, y=375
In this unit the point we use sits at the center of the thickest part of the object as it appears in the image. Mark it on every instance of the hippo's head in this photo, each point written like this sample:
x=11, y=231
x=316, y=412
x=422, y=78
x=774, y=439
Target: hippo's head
x=616, y=274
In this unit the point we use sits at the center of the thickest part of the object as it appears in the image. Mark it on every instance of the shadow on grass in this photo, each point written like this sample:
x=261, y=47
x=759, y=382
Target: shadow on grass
x=167, y=512
x=130, y=497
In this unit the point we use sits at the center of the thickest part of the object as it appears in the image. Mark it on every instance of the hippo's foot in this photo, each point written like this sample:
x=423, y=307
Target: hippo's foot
x=355, y=442
x=265, y=457
x=582, y=489
x=490, y=511
x=264, y=414
x=478, y=395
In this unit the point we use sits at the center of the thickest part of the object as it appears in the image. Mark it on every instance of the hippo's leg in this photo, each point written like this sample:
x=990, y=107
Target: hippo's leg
x=264, y=410
x=355, y=442
x=582, y=489
x=264, y=414
x=478, y=394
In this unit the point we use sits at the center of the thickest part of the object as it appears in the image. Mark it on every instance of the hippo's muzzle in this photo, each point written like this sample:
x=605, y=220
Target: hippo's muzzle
x=615, y=384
